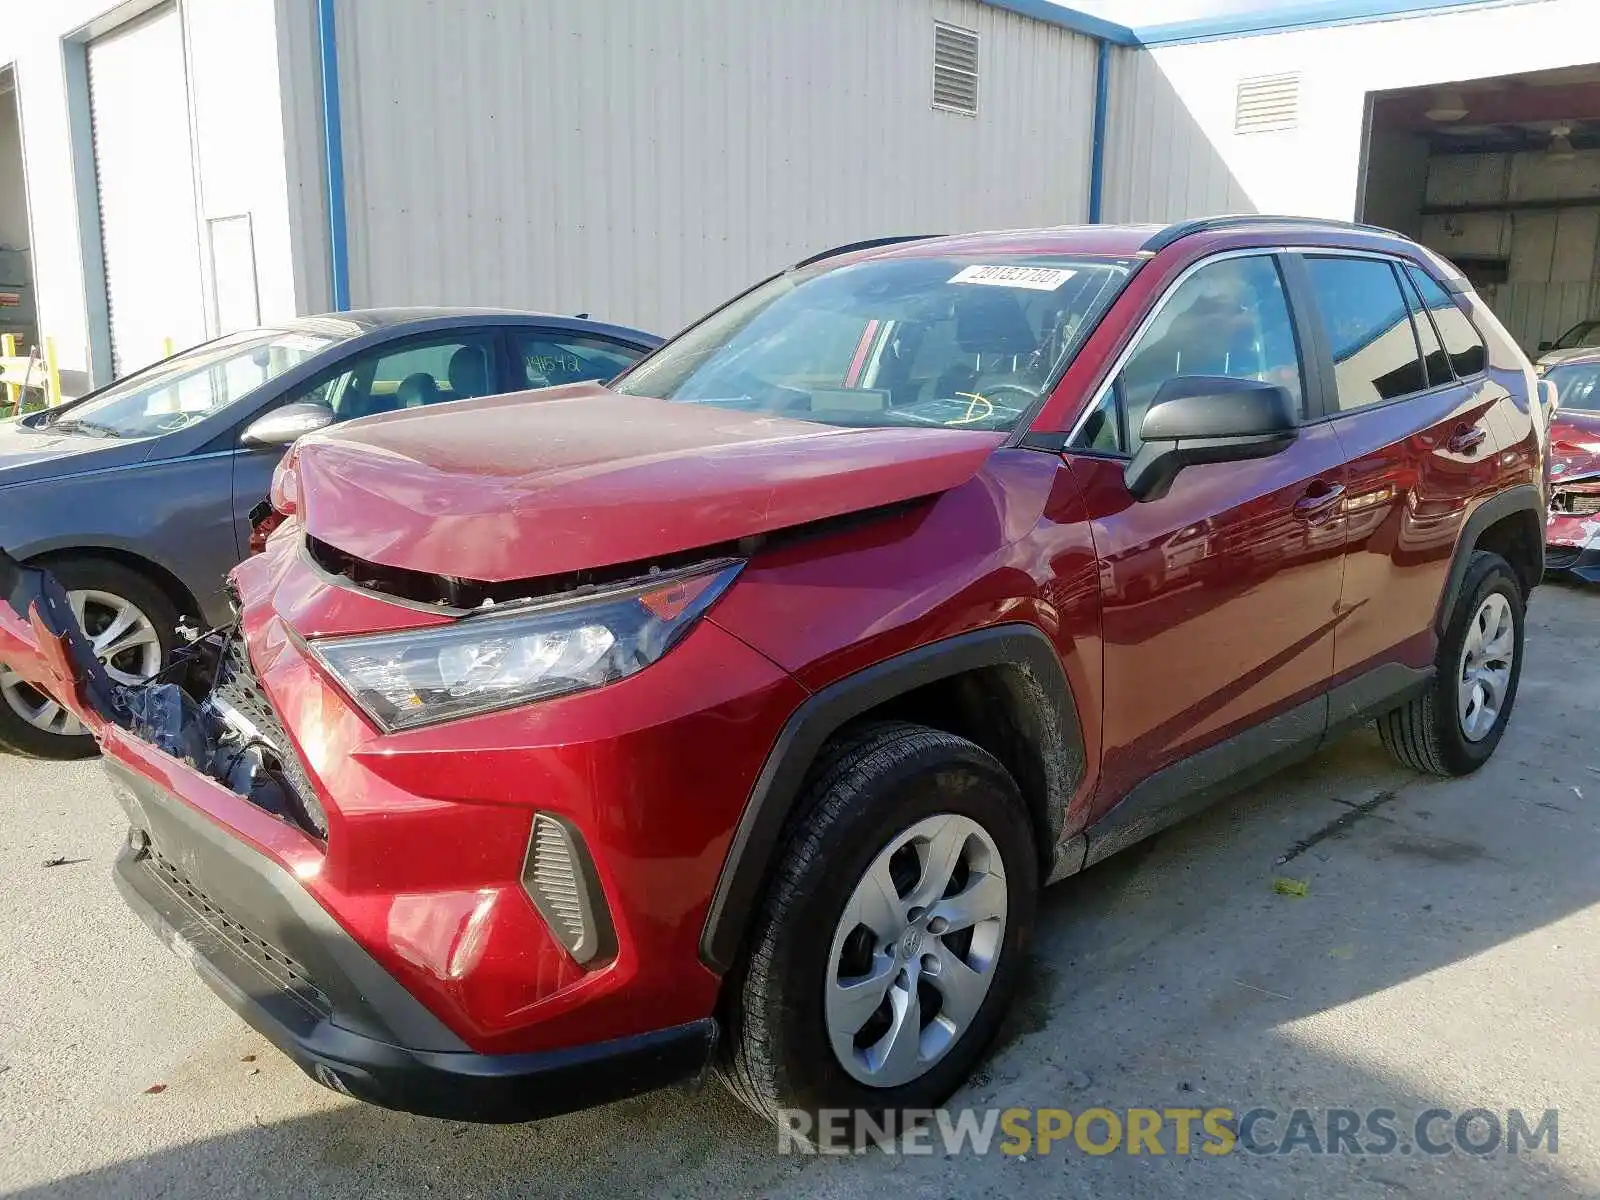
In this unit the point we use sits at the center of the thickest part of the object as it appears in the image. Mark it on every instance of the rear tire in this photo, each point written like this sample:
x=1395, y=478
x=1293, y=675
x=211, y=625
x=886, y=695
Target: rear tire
x=108, y=581
x=893, y=800
x=1452, y=729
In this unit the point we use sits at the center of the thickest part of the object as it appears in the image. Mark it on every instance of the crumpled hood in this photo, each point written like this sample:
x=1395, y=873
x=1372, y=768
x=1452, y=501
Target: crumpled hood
x=1552, y=358
x=566, y=479
x=1574, y=445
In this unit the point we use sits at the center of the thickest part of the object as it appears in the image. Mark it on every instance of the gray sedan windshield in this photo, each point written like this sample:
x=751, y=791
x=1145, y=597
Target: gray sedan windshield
x=190, y=386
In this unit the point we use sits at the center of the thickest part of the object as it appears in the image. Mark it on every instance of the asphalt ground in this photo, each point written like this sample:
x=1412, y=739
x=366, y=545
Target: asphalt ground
x=1443, y=956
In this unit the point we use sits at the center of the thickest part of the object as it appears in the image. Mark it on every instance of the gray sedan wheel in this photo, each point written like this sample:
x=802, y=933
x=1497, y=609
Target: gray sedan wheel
x=129, y=622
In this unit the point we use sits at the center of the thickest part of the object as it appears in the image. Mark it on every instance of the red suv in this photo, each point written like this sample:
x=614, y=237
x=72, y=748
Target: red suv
x=736, y=712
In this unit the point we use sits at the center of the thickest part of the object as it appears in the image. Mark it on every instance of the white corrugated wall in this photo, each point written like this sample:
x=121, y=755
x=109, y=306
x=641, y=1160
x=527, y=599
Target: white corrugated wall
x=642, y=161
x=1159, y=164
x=1173, y=150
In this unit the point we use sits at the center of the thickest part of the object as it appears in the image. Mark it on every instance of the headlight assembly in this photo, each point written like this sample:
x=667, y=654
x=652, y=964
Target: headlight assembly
x=521, y=653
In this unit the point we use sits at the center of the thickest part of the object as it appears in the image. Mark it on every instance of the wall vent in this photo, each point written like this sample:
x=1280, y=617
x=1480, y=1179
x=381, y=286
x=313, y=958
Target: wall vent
x=955, y=69
x=1266, y=103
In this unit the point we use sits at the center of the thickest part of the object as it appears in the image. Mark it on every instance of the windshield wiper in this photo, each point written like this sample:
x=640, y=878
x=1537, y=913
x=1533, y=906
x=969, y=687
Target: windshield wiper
x=88, y=427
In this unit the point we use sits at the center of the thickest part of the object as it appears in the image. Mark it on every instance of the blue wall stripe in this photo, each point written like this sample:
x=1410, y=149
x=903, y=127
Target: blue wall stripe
x=333, y=154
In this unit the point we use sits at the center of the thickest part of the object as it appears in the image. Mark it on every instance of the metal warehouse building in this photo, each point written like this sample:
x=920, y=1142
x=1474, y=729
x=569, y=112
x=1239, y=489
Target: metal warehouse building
x=171, y=170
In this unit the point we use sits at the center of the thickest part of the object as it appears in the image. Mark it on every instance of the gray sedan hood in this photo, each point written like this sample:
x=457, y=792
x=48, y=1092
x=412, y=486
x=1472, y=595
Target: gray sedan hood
x=27, y=454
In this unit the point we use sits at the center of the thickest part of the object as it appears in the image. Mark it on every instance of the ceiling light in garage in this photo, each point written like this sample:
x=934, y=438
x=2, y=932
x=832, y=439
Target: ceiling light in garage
x=1560, y=147
x=1446, y=106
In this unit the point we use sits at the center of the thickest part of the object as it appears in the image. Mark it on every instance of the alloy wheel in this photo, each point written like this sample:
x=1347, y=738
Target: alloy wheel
x=915, y=951
x=125, y=641
x=1485, y=672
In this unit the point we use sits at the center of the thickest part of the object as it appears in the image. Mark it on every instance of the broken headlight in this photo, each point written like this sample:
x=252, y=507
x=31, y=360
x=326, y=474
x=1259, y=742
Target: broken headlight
x=520, y=653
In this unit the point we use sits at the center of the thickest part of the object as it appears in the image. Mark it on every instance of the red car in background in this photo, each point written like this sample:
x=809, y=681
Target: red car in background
x=1573, y=537
x=736, y=712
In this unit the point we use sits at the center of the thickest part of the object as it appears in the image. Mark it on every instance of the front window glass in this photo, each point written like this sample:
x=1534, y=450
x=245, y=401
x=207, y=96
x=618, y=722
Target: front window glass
x=1578, y=386
x=953, y=341
x=189, y=387
x=1586, y=334
x=1228, y=319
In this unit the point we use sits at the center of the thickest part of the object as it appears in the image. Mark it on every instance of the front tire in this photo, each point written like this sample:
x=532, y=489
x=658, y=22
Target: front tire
x=131, y=623
x=890, y=944
x=1452, y=729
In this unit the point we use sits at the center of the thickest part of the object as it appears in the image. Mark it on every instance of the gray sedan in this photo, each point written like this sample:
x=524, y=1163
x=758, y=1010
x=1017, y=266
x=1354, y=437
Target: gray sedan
x=138, y=496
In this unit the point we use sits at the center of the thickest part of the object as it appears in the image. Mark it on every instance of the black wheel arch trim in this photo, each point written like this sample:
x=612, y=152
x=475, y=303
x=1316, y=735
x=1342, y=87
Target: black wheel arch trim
x=1524, y=497
x=756, y=840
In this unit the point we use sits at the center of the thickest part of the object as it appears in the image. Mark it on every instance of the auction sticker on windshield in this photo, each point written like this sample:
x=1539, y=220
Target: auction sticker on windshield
x=1040, y=279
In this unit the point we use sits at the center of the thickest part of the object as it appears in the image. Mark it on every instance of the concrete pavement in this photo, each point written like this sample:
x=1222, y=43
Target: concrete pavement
x=1444, y=955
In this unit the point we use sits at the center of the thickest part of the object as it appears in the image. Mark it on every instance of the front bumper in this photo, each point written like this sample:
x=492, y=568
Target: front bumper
x=304, y=984
x=1581, y=562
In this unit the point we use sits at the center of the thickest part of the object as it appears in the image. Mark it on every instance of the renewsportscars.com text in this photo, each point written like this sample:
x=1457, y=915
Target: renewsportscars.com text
x=1157, y=1132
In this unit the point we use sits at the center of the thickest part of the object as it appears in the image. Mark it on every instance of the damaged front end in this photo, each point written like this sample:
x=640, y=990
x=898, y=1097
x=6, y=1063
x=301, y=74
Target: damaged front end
x=1572, y=538
x=205, y=708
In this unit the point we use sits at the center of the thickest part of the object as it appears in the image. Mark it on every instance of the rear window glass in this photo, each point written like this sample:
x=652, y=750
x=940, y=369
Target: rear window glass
x=1368, y=325
x=1461, y=340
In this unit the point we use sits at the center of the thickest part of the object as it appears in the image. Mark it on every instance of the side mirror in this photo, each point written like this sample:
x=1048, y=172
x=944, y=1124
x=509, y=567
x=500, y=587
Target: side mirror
x=283, y=426
x=1550, y=397
x=1198, y=419
x=1543, y=346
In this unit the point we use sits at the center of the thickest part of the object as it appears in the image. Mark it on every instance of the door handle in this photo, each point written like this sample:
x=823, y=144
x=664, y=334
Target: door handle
x=1320, y=501
x=1466, y=439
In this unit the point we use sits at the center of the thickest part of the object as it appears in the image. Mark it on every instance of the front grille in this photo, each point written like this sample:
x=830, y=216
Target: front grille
x=238, y=687
x=292, y=979
x=1576, y=504
x=1559, y=558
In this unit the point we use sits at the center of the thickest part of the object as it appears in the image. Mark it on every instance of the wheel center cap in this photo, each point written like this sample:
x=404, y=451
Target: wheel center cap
x=911, y=943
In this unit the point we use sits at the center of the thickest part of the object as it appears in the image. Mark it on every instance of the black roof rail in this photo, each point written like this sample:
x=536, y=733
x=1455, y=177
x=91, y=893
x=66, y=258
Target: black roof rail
x=1183, y=229
x=869, y=244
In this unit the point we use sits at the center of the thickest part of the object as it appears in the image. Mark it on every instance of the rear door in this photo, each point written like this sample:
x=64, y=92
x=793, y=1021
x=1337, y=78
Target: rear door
x=1218, y=598
x=1413, y=412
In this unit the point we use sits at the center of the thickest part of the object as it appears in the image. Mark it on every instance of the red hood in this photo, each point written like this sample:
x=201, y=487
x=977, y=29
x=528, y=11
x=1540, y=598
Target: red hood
x=1574, y=444
x=532, y=484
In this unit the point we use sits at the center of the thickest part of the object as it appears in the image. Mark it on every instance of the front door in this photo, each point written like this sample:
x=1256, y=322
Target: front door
x=1219, y=597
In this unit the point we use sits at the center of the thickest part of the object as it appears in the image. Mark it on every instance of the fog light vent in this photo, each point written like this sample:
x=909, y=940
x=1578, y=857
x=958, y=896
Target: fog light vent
x=560, y=881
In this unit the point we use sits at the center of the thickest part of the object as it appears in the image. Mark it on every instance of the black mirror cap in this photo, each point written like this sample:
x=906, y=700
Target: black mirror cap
x=1203, y=419
x=1207, y=406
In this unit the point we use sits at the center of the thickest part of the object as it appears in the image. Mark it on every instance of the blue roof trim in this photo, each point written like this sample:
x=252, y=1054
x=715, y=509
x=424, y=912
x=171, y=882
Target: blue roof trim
x=1304, y=14
x=1281, y=18
x=1069, y=18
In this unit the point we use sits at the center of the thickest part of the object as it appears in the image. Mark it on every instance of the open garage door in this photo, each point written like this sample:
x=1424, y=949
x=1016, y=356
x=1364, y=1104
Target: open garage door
x=1502, y=176
x=144, y=173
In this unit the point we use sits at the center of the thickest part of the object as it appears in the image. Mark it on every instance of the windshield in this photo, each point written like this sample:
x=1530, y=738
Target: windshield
x=189, y=387
x=1587, y=334
x=1577, y=386
x=961, y=342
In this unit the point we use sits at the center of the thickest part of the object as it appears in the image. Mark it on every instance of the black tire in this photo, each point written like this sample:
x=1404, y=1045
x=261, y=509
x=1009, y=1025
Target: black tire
x=1425, y=734
x=865, y=790
x=89, y=574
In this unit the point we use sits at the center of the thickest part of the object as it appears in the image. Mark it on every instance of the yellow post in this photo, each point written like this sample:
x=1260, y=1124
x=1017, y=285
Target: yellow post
x=52, y=374
x=8, y=349
x=167, y=348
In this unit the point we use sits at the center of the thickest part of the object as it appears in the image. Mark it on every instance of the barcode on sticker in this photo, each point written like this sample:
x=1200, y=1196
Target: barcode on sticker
x=1040, y=279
